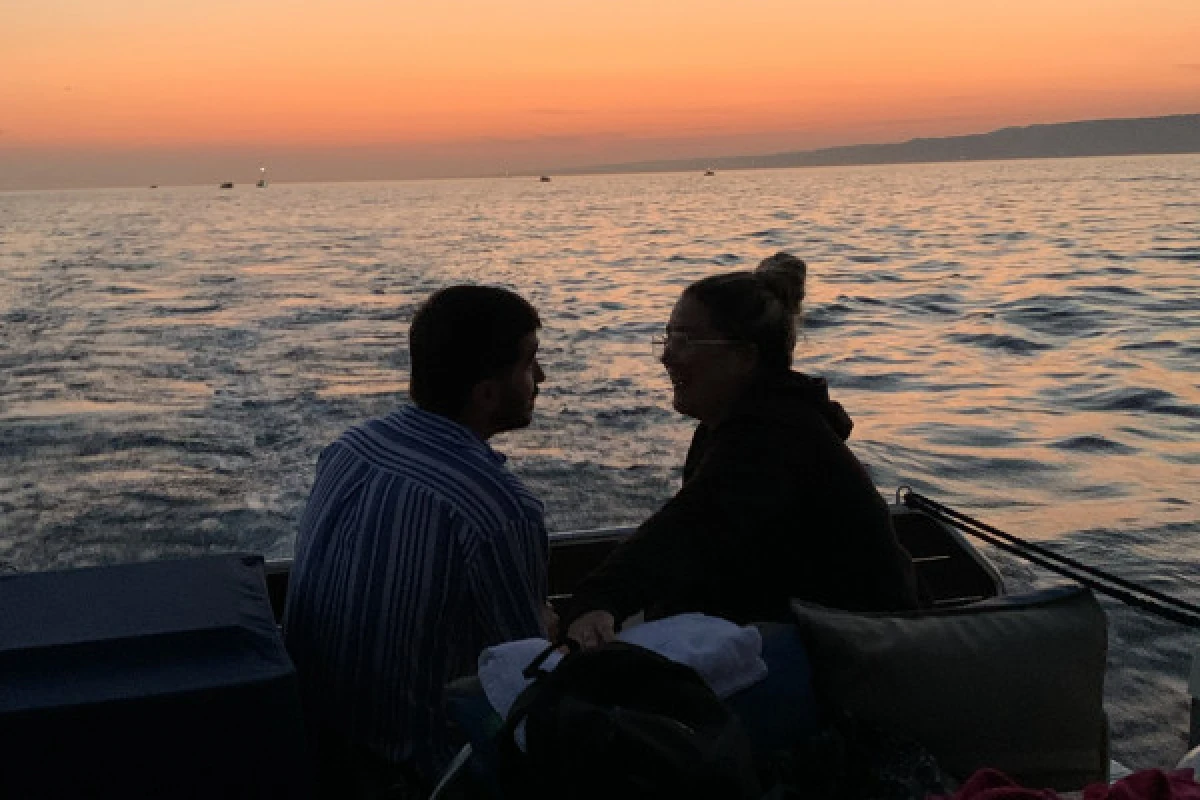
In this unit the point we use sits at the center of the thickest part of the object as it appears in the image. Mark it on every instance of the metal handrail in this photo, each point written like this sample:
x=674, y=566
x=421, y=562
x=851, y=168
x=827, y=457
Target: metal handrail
x=584, y=536
x=591, y=534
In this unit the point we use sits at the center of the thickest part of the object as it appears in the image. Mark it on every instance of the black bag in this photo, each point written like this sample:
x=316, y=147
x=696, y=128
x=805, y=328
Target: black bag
x=621, y=721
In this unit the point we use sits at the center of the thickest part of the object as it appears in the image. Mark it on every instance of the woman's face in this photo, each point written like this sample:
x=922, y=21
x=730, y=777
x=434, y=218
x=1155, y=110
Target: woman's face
x=708, y=372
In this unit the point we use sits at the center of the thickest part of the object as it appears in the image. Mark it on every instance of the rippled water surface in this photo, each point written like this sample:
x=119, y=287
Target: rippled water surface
x=1020, y=340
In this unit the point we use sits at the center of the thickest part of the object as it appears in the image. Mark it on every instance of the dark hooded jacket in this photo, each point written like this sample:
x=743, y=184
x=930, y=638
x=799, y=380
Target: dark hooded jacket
x=773, y=506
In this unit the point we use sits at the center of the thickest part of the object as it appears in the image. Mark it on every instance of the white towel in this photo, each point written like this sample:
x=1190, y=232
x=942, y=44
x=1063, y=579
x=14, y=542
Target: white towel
x=501, y=670
x=727, y=656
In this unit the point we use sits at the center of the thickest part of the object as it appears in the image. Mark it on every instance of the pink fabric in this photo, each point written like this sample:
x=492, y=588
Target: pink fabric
x=992, y=784
x=1149, y=784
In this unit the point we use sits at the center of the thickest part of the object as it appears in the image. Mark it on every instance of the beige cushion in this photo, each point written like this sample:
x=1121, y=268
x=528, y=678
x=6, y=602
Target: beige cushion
x=1015, y=683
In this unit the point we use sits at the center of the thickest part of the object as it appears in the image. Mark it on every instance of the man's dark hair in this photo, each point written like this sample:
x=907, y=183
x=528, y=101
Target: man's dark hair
x=460, y=336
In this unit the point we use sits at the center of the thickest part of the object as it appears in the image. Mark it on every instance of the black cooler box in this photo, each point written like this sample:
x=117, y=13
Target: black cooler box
x=164, y=679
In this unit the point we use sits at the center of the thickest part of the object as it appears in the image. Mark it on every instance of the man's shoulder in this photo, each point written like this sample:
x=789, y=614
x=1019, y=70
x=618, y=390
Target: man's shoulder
x=439, y=459
x=394, y=441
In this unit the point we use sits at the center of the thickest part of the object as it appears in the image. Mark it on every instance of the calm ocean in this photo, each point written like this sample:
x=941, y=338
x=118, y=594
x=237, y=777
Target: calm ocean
x=1019, y=340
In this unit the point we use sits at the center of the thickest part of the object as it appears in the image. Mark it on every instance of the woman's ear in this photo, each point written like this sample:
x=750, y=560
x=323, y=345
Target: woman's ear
x=748, y=357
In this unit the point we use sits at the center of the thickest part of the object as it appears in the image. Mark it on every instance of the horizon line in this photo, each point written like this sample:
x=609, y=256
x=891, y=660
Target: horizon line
x=686, y=163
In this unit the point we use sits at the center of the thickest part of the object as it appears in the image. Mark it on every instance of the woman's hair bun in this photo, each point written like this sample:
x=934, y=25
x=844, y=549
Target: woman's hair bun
x=784, y=275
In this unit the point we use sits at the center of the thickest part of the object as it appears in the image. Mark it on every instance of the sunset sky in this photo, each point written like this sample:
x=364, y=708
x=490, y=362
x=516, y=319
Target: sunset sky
x=120, y=92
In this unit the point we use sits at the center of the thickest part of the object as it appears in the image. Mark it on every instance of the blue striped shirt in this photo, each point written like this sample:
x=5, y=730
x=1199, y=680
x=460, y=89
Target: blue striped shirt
x=418, y=548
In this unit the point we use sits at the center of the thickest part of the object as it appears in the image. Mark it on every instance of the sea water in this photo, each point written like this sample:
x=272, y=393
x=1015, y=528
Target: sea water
x=1019, y=340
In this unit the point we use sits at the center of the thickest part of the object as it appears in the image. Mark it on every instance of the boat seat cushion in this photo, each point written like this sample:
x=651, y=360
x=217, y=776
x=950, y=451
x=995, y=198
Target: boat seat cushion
x=1015, y=683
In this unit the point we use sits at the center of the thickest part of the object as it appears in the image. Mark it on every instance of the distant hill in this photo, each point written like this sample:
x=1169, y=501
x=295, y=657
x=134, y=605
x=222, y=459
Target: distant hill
x=1101, y=137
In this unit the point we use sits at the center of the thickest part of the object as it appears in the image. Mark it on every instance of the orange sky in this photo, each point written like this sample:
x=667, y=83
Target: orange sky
x=478, y=86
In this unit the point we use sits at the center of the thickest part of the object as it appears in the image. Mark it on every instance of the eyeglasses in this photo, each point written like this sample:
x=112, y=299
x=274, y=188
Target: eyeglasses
x=680, y=342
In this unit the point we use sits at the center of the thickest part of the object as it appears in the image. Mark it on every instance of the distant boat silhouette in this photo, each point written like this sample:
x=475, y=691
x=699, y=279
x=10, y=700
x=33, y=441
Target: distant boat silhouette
x=262, y=181
x=154, y=186
x=227, y=185
x=709, y=173
x=544, y=179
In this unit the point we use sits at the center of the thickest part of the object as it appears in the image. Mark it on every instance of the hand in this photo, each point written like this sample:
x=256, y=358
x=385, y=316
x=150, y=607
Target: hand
x=593, y=629
x=550, y=622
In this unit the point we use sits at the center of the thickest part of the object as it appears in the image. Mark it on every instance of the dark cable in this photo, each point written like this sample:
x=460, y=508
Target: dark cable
x=1047, y=553
x=1185, y=613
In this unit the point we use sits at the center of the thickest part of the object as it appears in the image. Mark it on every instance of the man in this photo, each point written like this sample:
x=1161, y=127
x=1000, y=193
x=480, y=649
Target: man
x=418, y=547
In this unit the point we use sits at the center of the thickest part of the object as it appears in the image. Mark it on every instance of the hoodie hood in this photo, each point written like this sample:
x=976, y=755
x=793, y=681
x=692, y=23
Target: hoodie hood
x=781, y=398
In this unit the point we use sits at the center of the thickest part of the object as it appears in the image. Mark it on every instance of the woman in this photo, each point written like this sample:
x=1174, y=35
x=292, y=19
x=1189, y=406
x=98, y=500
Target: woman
x=773, y=505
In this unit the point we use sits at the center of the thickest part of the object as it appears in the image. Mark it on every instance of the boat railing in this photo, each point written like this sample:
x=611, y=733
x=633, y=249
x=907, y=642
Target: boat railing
x=951, y=569
x=590, y=535
x=275, y=566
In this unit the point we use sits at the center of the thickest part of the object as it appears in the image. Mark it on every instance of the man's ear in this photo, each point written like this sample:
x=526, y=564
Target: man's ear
x=485, y=394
